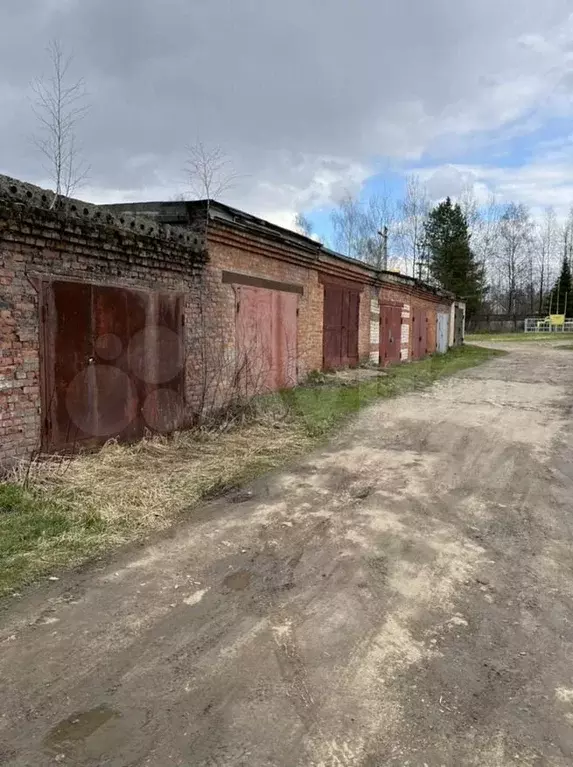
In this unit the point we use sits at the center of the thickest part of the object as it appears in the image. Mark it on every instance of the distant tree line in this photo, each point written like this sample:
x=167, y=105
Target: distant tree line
x=498, y=256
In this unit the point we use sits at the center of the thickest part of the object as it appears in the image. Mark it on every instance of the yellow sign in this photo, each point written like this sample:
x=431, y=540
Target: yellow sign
x=557, y=319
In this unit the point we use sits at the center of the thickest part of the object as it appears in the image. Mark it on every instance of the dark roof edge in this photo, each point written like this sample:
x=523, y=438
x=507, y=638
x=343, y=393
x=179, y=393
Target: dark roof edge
x=377, y=274
x=138, y=217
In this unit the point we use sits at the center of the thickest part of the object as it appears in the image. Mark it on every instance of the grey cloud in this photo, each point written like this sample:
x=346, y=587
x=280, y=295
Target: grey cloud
x=295, y=91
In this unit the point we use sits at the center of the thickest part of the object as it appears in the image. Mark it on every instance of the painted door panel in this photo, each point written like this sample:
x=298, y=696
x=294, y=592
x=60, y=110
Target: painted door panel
x=266, y=339
x=390, y=339
x=340, y=326
x=105, y=351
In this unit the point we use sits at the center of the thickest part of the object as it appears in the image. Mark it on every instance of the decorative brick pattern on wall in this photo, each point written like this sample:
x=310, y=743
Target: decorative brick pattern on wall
x=405, y=335
x=375, y=330
x=410, y=297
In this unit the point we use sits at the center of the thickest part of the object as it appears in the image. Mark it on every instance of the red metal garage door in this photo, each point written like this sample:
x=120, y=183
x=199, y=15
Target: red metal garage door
x=266, y=339
x=113, y=363
x=390, y=334
x=340, y=329
x=419, y=332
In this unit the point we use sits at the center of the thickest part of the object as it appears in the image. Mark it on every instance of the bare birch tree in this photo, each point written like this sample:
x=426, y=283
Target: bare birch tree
x=378, y=225
x=546, y=242
x=59, y=104
x=515, y=252
x=484, y=228
x=347, y=225
x=470, y=208
x=209, y=171
x=414, y=208
x=303, y=225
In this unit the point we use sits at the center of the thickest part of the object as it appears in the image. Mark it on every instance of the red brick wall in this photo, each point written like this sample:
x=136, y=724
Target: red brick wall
x=239, y=254
x=409, y=297
x=364, y=326
x=35, y=244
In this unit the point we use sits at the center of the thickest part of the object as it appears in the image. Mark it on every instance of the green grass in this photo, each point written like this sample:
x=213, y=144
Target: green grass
x=60, y=514
x=518, y=337
x=321, y=409
x=39, y=534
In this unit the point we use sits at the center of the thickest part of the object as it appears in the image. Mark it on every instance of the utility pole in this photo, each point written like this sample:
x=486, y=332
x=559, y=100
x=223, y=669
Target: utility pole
x=384, y=235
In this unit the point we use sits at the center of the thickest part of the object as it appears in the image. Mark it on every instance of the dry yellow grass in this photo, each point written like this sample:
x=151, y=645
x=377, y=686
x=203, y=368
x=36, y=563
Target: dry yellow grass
x=145, y=486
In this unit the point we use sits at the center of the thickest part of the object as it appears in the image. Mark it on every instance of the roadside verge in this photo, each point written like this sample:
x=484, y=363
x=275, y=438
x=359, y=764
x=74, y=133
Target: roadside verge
x=62, y=512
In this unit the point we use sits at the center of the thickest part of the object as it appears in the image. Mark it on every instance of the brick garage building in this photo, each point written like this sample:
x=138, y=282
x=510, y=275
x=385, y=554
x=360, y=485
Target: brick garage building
x=246, y=250
x=71, y=281
x=420, y=314
x=121, y=318
x=248, y=255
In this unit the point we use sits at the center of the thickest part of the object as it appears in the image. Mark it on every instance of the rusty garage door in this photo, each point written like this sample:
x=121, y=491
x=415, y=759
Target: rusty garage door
x=340, y=329
x=390, y=335
x=266, y=335
x=112, y=363
x=418, y=348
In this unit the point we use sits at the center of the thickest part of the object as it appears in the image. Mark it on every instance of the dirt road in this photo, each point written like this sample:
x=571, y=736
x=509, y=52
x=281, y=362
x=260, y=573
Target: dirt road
x=401, y=597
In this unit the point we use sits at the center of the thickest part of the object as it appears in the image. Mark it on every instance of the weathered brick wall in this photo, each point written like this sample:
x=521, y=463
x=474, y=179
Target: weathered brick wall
x=400, y=297
x=36, y=244
x=248, y=255
x=364, y=325
x=83, y=243
x=410, y=297
x=372, y=296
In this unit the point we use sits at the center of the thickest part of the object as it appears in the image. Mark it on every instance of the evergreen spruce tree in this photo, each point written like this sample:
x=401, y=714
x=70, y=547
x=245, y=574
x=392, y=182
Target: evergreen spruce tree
x=560, y=298
x=452, y=263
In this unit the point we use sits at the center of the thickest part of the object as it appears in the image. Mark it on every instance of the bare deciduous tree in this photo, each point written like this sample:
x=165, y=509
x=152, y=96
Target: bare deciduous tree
x=484, y=229
x=347, y=225
x=59, y=104
x=303, y=225
x=470, y=207
x=415, y=208
x=364, y=230
x=209, y=171
x=514, y=252
x=545, y=251
x=378, y=226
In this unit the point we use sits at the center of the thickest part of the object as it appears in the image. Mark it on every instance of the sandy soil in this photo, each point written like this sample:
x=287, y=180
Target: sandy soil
x=403, y=596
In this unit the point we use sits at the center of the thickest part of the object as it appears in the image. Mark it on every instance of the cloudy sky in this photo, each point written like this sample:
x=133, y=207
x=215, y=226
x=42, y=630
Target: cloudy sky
x=308, y=97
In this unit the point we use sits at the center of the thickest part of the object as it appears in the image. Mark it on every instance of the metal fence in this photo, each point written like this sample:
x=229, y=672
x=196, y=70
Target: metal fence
x=537, y=325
